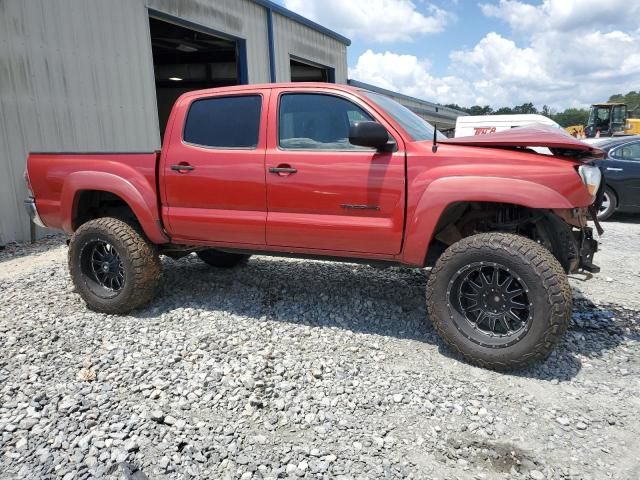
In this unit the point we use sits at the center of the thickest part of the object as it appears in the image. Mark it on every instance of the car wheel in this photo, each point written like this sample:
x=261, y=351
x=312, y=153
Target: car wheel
x=608, y=206
x=501, y=300
x=219, y=259
x=114, y=268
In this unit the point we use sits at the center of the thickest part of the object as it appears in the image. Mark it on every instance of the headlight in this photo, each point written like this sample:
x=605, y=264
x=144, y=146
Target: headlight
x=591, y=177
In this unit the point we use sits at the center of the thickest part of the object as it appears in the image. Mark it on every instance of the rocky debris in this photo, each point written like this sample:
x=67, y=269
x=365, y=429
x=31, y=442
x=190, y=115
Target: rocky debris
x=300, y=369
x=87, y=375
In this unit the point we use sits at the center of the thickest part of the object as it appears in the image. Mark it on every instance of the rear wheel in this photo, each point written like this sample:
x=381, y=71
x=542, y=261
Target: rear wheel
x=500, y=300
x=215, y=258
x=608, y=205
x=113, y=267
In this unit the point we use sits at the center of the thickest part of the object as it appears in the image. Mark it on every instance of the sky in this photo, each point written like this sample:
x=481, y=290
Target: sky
x=560, y=53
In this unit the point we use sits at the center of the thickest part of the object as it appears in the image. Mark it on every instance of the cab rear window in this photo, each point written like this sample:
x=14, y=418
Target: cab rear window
x=224, y=122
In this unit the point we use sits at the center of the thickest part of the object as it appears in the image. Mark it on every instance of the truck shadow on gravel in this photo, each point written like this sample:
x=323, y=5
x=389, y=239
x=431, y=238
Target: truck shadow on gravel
x=364, y=299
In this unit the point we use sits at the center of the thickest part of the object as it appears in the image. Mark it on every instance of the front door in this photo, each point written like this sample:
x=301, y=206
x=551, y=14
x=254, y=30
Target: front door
x=622, y=172
x=322, y=192
x=213, y=172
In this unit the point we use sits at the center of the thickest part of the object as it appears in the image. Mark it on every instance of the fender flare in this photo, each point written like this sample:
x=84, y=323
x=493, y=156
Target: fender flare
x=130, y=186
x=446, y=191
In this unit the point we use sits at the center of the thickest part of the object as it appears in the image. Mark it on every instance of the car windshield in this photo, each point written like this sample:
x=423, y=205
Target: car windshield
x=415, y=126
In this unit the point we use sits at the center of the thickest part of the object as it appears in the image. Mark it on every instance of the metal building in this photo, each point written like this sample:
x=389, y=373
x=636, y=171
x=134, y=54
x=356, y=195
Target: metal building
x=443, y=117
x=97, y=75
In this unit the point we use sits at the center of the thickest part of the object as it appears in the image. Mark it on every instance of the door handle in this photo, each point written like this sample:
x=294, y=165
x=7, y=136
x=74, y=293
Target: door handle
x=182, y=168
x=283, y=170
x=612, y=169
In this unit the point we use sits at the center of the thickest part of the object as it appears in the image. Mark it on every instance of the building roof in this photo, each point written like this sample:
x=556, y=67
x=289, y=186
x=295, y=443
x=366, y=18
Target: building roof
x=424, y=103
x=279, y=9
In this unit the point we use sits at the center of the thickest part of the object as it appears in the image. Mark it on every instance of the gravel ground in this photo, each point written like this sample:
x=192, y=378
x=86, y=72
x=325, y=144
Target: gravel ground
x=286, y=368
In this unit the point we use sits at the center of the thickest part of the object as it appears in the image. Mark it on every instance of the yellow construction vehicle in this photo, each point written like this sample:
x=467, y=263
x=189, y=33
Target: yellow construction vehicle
x=611, y=119
x=576, y=130
x=632, y=127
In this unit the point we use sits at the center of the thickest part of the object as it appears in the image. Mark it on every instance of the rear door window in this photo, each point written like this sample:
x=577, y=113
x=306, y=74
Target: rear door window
x=224, y=122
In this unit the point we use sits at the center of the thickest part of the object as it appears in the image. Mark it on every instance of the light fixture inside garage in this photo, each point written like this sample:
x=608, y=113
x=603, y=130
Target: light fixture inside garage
x=175, y=79
x=186, y=48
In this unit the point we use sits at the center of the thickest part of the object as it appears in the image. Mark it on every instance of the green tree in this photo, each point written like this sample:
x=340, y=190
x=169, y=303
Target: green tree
x=571, y=116
x=456, y=106
x=480, y=110
x=525, y=108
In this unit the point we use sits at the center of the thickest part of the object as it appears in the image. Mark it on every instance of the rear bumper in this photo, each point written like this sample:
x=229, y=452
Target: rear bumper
x=30, y=206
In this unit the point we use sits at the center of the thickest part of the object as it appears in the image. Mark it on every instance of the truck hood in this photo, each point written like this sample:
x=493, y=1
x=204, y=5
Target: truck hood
x=558, y=141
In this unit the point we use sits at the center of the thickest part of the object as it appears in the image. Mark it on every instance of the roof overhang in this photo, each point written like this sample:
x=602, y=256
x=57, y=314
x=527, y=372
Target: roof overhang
x=280, y=10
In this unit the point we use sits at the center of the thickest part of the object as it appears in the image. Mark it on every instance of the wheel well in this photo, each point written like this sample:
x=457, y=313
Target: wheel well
x=463, y=219
x=92, y=204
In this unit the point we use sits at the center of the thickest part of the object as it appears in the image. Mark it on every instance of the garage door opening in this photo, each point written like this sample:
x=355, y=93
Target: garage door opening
x=302, y=71
x=186, y=59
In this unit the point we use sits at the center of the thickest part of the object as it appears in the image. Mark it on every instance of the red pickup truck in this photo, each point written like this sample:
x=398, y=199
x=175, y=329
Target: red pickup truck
x=333, y=172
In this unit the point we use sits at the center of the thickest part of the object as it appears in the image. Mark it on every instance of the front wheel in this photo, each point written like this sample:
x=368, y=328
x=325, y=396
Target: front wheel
x=608, y=205
x=501, y=300
x=113, y=267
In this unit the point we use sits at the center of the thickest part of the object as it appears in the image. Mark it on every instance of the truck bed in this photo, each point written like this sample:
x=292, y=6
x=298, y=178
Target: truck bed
x=53, y=175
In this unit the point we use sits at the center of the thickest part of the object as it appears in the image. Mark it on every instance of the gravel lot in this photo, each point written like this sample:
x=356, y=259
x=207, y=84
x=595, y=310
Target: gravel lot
x=286, y=368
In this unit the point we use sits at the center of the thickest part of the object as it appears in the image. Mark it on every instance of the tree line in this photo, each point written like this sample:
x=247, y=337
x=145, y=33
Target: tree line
x=565, y=118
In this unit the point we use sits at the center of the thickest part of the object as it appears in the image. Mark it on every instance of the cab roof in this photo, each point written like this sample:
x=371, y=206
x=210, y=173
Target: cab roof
x=268, y=86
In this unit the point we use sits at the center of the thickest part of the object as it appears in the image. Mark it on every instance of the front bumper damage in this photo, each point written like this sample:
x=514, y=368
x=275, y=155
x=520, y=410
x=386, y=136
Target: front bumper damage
x=577, y=246
x=587, y=247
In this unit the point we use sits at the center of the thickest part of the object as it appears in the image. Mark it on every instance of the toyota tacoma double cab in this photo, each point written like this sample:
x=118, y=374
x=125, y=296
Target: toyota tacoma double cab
x=333, y=172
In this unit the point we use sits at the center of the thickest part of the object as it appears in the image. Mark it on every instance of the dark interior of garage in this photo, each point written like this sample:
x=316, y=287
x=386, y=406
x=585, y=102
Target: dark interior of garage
x=306, y=72
x=185, y=59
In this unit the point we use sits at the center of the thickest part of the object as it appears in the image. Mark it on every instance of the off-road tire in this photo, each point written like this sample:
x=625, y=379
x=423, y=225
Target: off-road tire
x=549, y=293
x=140, y=262
x=613, y=205
x=218, y=259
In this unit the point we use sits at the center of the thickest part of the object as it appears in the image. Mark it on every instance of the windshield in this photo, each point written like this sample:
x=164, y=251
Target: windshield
x=415, y=126
x=599, y=117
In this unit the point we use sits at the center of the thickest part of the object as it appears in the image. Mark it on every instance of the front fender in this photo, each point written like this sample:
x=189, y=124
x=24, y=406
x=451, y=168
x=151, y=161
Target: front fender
x=443, y=192
x=131, y=188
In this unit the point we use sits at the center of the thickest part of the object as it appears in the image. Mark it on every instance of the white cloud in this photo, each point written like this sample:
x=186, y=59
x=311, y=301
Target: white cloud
x=375, y=20
x=407, y=74
x=566, y=15
x=570, y=53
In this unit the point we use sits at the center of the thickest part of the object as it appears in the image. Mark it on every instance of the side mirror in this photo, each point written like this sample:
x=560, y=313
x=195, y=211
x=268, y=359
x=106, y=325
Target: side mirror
x=369, y=134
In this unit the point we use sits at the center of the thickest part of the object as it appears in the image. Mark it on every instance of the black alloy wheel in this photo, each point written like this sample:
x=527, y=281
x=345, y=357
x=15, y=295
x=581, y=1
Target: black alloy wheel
x=490, y=304
x=101, y=262
x=114, y=268
x=501, y=300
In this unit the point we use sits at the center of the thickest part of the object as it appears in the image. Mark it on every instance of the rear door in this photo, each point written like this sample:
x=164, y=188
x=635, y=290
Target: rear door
x=622, y=172
x=322, y=192
x=213, y=170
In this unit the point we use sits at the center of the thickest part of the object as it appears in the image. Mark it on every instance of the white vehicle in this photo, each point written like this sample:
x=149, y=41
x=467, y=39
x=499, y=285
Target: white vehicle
x=469, y=126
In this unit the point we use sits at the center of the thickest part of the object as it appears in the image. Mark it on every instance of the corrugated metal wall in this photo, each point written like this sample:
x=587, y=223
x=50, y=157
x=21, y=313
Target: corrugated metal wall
x=293, y=38
x=74, y=76
x=239, y=18
x=77, y=75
